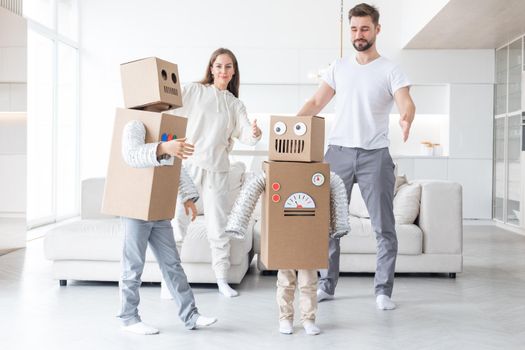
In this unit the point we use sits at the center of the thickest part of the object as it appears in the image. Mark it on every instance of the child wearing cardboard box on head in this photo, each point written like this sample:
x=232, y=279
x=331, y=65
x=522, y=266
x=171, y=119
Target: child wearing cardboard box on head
x=143, y=183
x=158, y=234
x=216, y=117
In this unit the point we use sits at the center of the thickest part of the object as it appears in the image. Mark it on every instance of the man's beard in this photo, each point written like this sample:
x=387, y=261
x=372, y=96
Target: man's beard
x=364, y=47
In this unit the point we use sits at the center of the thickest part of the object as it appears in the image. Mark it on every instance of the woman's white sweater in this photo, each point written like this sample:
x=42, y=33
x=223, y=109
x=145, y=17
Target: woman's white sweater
x=215, y=118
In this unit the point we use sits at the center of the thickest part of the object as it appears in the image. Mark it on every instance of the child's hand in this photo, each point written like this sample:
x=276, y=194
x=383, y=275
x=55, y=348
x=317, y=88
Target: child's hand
x=256, y=132
x=190, y=205
x=176, y=148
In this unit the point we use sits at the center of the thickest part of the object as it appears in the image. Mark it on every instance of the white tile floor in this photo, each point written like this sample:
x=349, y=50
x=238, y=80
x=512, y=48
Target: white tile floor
x=482, y=309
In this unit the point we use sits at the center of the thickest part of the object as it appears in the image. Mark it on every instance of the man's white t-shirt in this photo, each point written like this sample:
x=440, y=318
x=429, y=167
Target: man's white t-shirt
x=364, y=99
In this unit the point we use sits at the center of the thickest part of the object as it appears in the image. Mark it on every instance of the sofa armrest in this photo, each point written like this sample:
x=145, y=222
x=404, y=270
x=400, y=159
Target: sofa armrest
x=441, y=217
x=91, y=199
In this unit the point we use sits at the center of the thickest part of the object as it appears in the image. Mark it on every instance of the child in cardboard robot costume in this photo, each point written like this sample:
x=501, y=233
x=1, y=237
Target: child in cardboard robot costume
x=303, y=203
x=143, y=183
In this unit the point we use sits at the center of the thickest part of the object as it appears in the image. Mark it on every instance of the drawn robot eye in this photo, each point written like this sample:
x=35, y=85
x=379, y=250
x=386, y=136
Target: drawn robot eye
x=164, y=75
x=299, y=129
x=174, y=78
x=279, y=128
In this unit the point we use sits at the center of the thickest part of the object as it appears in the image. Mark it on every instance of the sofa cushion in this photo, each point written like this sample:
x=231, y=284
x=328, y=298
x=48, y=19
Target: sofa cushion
x=102, y=240
x=196, y=247
x=400, y=181
x=406, y=203
x=88, y=239
x=357, y=203
x=361, y=239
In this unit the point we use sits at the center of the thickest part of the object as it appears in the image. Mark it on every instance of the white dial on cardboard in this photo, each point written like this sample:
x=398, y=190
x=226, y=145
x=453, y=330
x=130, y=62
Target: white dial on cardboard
x=299, y=200
x=318, y=179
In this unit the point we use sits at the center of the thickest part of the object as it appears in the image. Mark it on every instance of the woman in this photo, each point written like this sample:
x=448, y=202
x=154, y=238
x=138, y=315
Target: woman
x=215, y=117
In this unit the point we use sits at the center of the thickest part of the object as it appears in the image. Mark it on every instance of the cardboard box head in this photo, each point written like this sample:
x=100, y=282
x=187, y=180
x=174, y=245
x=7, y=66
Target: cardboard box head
x=151, y=82
x=295, y=215
x=297, y=139
x=143, y=193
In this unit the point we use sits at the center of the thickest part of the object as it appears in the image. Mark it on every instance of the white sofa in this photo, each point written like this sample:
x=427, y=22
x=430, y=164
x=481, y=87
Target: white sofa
x=428, y=224
x=429, y=230
x=90, y=248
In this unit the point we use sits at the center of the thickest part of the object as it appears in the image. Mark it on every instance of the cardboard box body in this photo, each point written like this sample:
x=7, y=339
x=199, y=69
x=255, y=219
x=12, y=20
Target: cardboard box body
x=296, y=139
x=142, y=193
x=151, y=82
x=295, y=215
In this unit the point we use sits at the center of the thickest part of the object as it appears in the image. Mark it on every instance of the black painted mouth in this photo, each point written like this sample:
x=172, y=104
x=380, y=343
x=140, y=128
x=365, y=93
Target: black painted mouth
x=289, y=146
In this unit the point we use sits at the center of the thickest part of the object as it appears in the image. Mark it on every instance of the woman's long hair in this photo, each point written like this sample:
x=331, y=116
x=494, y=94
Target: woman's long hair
x=233, y=85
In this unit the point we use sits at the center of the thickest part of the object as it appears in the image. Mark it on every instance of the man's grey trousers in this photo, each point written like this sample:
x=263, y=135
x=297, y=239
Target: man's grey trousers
x=159, y=234
x=373, y=170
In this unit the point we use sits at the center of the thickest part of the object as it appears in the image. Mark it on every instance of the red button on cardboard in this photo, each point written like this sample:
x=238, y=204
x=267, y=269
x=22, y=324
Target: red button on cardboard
x=276, y=186
x=276, y=198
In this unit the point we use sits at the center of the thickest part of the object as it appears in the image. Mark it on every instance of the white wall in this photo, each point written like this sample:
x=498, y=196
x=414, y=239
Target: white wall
x=13, y=126
x=278, y=43
x=13, y=52
x=13, y=152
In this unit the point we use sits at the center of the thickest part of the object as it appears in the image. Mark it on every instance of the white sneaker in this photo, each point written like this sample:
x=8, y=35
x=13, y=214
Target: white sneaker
x=322, y=295
x=310, y=327
x=203, y=321
x=140, y=328
x=286, y=326
x=384, y=302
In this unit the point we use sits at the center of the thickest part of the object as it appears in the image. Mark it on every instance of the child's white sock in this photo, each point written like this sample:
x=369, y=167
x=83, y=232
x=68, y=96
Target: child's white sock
x=164, y=291
x=310, y=327
x=384, y=302
x=322, y=295
x=203, y=321
x=286, y=326
x=225, y=289
x=140, y=328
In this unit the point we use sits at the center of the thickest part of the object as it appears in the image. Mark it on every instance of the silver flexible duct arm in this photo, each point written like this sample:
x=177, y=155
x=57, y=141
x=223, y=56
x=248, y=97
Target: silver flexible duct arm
x=246, y=201
x=339, y=215
x=244, y=206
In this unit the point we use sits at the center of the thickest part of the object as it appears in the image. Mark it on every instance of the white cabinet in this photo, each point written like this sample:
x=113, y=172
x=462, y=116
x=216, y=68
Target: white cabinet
x=471, y=124
x=475, y=176
x=18, y=94
x=5, y=104
x=431, y=168
x=13, y=64
x=405, y=166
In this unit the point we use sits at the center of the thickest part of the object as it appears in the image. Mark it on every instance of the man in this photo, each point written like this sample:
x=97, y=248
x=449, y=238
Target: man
x=366, y=86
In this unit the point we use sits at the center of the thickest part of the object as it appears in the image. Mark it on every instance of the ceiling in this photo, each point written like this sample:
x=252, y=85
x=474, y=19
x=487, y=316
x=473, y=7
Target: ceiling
x=472, y=24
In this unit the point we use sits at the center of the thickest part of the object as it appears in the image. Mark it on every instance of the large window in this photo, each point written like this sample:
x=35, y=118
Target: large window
x=508, y=178
x=53, y=177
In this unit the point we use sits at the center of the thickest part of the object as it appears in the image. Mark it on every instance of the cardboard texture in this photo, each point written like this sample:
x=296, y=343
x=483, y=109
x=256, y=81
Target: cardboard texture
x=296, y=139
x=295, y=215
x=151, y=82
x=142, y=193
